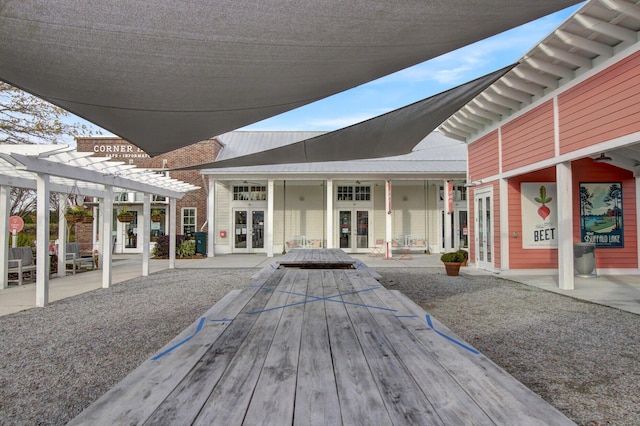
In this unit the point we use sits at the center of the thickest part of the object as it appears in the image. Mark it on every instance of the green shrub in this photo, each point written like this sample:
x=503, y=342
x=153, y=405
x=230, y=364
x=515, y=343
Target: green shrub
x=186, y=249
x=464, y=253
x=452, y=257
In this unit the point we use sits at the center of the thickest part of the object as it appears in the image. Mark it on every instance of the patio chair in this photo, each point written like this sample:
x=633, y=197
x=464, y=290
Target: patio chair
x=378, y=249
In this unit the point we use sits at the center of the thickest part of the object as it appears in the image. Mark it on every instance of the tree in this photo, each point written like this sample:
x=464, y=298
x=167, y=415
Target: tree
x=585, y=204
x=25, y=118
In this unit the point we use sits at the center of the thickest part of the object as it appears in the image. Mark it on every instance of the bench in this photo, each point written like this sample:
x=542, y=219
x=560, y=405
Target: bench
x=74, y=260
x=21, y=264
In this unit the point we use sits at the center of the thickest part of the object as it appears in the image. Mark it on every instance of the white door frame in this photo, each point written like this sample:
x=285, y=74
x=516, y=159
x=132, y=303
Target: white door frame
x=353, y=231
x=484, y=258
x=248, y=231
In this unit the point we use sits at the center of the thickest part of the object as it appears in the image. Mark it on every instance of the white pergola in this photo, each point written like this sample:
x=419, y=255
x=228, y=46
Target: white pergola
x=59, y=168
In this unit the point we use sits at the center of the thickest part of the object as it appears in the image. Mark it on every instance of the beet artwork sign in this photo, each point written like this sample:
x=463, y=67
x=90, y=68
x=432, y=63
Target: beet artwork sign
x=539, y=215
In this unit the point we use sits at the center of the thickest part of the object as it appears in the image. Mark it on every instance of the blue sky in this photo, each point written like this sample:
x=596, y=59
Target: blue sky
x=415, y=83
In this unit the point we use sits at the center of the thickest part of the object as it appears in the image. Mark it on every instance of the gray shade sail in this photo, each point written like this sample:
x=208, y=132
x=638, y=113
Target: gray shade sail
x=394, y=133
x=164, y=74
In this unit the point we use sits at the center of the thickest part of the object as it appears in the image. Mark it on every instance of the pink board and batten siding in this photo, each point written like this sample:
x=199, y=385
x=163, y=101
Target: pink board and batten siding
x=529, y=138
x=604, y=107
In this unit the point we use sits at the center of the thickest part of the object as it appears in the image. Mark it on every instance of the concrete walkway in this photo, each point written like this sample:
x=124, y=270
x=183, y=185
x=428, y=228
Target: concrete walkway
x=618, y=291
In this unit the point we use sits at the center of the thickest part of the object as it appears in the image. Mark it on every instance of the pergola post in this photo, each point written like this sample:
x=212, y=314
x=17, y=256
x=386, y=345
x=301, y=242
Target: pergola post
x=565, y=226
x=62, y=240
x=42, y=239
x=172, y=233
x=107, y=230
x=146, y=232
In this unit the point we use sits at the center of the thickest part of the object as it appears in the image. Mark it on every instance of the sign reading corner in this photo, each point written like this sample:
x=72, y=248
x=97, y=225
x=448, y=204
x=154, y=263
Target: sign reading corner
x=539, y=215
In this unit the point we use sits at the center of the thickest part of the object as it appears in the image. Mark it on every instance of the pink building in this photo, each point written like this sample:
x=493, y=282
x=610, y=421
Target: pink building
x=554, y=152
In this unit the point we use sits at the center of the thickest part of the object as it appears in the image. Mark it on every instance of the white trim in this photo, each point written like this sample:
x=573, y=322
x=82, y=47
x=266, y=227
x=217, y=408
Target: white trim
x=556, y=127
x=505, y=232
x=330, y=228
x=269, y=219
x=211, y=217
x=638, y=219
x=565, y=226
x=145, y=226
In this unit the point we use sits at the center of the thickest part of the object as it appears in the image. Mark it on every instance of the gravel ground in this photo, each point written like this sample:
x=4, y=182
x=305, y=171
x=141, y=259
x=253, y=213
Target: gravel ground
x=581, y=357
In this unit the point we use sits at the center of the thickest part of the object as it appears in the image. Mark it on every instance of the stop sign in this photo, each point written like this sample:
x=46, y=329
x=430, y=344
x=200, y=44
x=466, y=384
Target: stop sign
x=15, y=224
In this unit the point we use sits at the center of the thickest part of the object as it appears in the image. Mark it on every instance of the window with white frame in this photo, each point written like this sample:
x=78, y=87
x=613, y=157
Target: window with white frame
x=188, y=221
x=249, y=193
x=354, y=193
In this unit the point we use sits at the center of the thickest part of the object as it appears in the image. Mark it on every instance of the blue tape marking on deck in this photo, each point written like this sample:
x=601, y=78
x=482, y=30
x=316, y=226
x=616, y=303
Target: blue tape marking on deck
x=327, y=298
x=469, y=348
x=177, y=345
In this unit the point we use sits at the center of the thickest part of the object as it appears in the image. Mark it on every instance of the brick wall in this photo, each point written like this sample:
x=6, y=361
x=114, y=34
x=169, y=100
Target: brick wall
x=202, y=152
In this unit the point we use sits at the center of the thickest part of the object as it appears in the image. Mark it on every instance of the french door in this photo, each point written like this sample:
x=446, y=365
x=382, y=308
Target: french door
x=248, y=230
x=484, y=233
x=353, y=230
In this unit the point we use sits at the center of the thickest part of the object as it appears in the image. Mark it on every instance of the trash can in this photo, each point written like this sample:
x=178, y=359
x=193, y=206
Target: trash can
x=201, y=242
x=584, y=259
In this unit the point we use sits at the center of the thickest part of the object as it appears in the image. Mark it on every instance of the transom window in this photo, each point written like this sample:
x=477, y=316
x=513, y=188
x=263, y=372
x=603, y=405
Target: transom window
x=354, y=193
x=249, y=193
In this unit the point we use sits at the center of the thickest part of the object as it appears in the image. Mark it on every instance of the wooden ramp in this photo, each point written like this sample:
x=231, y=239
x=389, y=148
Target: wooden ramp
x=319, y=347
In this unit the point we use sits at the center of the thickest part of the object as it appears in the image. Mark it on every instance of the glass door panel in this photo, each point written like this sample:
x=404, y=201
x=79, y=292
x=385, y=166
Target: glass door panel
x=240, y=229
x=362, y=236
x=463, y=230
x=487, y=222
x=257, y=229
x=131, y=230
x=345, y=229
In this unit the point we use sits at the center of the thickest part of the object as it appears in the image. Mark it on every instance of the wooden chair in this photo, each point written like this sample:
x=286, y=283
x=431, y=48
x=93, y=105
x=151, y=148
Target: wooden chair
x=21, y=264
x=74, y=260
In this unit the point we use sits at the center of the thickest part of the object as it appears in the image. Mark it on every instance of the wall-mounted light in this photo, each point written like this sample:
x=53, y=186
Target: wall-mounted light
x=602, y=159
x=405, y=198
x=301, y=198
x=164, y=163
x=515, y=234
x=472, y=184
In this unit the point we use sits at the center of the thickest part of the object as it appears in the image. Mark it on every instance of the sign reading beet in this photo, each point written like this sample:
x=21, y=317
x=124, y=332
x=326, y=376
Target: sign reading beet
x=539, y=215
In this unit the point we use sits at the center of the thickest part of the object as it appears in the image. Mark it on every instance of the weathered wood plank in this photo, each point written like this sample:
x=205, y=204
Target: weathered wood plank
x=316, y=392
x=450, y=401
x=144, y=389
x=360, y=400
x=275, y=393
x=502, y=397
x=403, y=398
x=186, y=400
x=229, y=400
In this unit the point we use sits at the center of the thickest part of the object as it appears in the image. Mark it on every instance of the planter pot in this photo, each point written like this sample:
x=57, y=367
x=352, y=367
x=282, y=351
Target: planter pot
x=452, y=268
x=125, y=217
x=72, y=218
x=157, y=218
x=87, y=219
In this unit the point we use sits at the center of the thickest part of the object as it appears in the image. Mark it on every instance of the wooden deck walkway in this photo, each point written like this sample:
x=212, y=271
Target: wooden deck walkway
x=319, y=347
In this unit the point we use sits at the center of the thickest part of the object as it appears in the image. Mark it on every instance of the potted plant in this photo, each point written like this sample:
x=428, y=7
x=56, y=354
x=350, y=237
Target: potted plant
x=465, y=254
x=157, y=215
x=452, y=262
x=77, y=214
x=124, y=215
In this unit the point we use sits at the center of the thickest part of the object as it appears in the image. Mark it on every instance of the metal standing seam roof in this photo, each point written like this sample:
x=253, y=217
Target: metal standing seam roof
x=164, y=74
x=73, y=171
x=599, y=30
x=435, y=155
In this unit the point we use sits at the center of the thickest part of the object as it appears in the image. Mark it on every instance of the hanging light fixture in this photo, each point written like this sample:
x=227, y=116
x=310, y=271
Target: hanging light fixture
x=602, y=159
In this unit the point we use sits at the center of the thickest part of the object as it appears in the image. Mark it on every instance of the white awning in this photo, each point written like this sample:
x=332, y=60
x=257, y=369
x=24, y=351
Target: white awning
x=165, y=74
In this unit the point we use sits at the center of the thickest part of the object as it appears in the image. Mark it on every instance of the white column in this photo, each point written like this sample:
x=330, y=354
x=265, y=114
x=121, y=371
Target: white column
x=565, y=226
x=388, y=219
x=146, y=231
x=106, y=236
x=4, y=241
x=42, y=239
x=62, y=238
x=211, y=218
x=270, y=208
x=172, y=233
x=505, y=233
x=330, y=232
x=101, y=237
x=447, y=219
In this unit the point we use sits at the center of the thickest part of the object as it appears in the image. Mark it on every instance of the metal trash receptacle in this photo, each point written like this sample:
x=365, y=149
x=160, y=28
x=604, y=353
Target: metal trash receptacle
x=584, y=259
x=201, y=242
